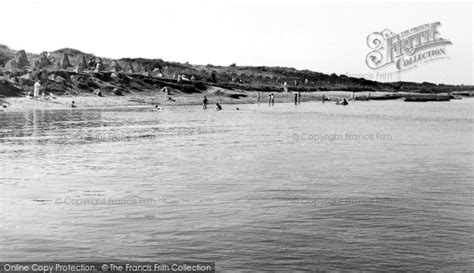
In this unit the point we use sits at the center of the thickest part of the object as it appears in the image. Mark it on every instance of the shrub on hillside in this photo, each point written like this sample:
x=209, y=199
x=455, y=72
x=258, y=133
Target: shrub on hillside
x=6, y=54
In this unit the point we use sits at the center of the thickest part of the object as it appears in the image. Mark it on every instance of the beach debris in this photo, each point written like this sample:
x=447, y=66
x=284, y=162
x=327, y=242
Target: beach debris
x=82, y=65
x=184, y=78
x=59, y=79
x=117, y=91
x=91, y=63
x=157, y=108
x=115, y=66
x=128, y=67
x=27, y=76
x=214, y=76
x=98, y=67
x=44, y=60
x=97, y=92
x=56, y=78
x=21, y=59
x=65, y=62
x=157, y=73
x=12, y=66
x=36, y=65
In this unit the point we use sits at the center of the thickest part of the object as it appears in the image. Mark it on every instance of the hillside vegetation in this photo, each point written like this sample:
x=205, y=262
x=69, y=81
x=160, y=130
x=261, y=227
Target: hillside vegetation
x=72, y=72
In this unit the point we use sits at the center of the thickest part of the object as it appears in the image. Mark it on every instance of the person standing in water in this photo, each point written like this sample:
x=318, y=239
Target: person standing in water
x=204, y=103
x=272, y=97
x=258, y=97
x=296, y=98
x=36, y=89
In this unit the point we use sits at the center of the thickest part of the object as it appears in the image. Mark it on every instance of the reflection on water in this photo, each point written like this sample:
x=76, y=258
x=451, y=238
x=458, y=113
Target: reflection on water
x=312, y=186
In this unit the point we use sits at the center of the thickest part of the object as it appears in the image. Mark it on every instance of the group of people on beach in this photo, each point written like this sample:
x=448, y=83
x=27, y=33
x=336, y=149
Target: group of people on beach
x=36, y=92
x=205, y=102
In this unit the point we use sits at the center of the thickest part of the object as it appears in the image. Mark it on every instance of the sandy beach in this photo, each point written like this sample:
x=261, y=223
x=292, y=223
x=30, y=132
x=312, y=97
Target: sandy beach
x=149, y=99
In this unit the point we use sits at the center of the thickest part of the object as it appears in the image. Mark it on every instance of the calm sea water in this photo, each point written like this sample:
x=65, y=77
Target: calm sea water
x=373, y=185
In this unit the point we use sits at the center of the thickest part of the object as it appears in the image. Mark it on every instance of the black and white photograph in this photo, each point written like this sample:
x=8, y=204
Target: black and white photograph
x=236, y=136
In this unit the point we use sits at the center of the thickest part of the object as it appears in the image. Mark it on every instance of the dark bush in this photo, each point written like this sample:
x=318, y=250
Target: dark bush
x=200, y=86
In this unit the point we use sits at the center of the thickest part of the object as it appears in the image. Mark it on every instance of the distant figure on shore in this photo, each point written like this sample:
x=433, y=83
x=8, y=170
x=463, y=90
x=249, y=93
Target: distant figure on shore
x=73, y=104
x=165, y=90
x=204, y=103
x=285, y=87
x=237, y=109
x=218, y=107
x=271, y=99
x=36, y=87
x=296, y=98
x=299, y=96
x=344, y=102
x=179, y=79
x=324, y=98
x=258, y=97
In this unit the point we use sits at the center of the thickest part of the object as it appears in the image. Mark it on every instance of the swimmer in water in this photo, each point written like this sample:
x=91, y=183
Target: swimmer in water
x=73, y=105
x=218, y=107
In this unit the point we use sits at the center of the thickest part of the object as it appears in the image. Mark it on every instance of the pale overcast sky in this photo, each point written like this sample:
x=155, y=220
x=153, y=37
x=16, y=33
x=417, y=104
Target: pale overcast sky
x=328, y=37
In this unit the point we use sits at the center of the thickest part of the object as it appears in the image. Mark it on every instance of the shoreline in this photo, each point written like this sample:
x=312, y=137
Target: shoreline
x=150, y=98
